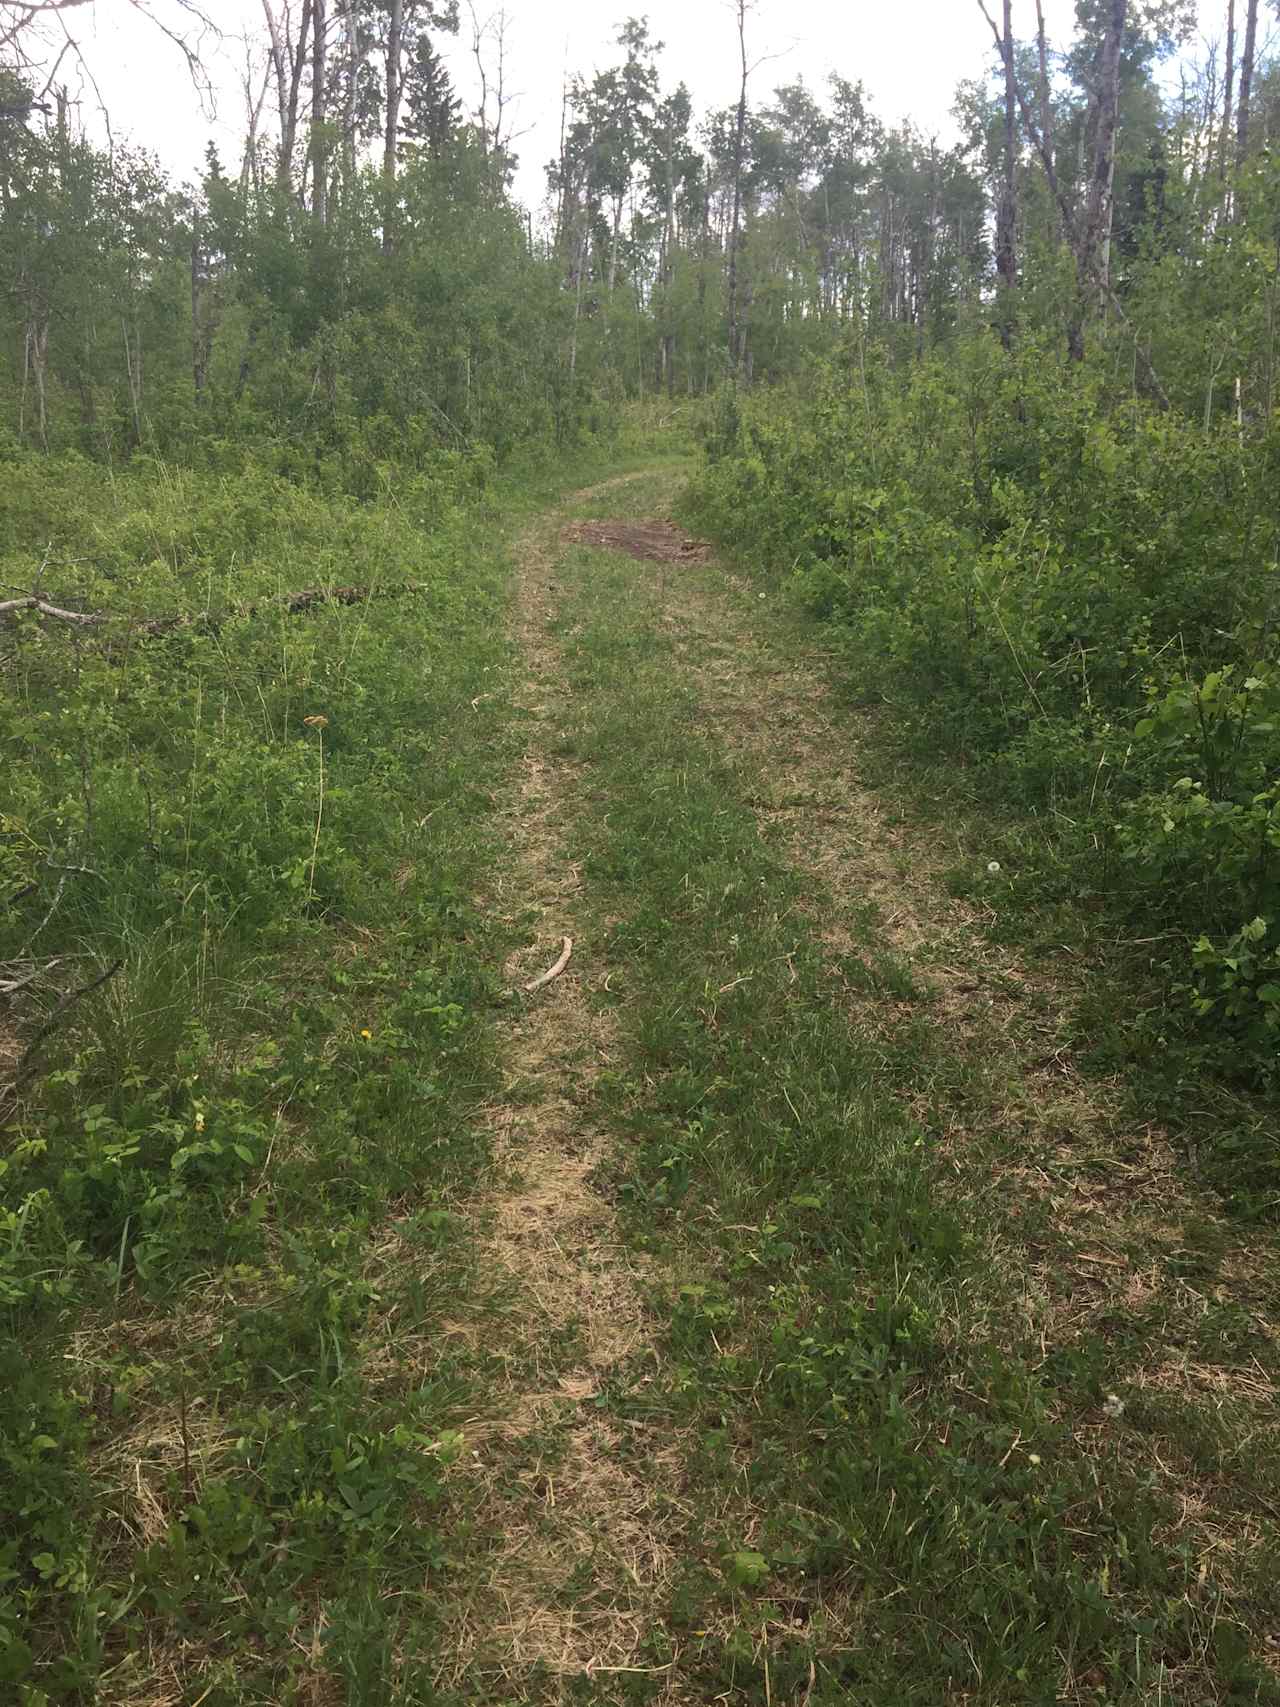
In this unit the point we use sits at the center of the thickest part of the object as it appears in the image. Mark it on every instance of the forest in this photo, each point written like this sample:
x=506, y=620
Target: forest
x=640, y=871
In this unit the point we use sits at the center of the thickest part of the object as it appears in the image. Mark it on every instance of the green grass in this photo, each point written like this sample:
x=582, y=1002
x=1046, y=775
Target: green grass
x=235, y=1240
x=903, y=1493
x=229, y=1179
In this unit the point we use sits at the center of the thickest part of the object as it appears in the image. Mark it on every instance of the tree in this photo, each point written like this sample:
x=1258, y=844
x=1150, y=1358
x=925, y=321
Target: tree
x=1007, y=214
x=737, y=340
x=432, y=106
x=288, y=48
x=1246, y=78
x=319, y=114
x=1086, y=227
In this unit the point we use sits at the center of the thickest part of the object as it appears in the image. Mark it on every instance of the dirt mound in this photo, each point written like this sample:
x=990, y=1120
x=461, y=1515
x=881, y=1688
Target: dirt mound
x=651, y=542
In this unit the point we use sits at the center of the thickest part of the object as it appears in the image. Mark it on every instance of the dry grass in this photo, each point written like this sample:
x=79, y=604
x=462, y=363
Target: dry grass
x=579, y=1556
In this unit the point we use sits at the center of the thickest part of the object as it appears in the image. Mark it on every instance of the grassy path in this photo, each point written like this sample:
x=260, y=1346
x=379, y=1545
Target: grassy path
x=568, y=1581
x=765, y=1310
x=861, y=1351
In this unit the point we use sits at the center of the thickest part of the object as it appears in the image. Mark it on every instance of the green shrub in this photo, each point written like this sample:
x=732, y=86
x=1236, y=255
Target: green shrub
x=1064, y=594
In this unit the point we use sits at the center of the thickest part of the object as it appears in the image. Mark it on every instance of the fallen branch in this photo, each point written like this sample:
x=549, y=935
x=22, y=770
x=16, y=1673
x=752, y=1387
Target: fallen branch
x=26, y=1063
x=292, y=604
x=81, y=619
x=552, y=971
x=16, y=975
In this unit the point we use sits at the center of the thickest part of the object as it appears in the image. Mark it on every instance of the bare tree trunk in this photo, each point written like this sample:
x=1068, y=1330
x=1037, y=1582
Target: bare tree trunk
x=668, y=274
x=351, y=32
x=394, y=30
x=1097, y=210
x=319, y=150
x=739, y=133
x=1246, y=79
x=253, y=115
x=133, y=372
x=277, y=50
x=198, y=362
x=203, y=315
x=1228, y=94
x=613, y=244
x=1007, y=215
x=1104, y=256
x=482, y=70
x=288, y=58
x=35, y=363
x=577, y=303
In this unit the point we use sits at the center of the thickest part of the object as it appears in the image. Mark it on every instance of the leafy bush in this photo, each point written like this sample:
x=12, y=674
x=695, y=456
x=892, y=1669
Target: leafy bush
x=1068, y=596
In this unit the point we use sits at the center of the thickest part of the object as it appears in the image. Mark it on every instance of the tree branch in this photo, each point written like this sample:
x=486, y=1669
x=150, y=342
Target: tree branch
x=26, y=1063
x=292, y=604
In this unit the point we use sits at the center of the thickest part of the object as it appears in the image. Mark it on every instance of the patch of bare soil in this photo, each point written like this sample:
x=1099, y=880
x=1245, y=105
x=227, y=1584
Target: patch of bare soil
x=647, y=541
x=580, y=1560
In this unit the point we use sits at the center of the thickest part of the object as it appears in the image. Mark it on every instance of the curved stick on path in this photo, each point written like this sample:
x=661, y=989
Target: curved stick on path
x=552, y=971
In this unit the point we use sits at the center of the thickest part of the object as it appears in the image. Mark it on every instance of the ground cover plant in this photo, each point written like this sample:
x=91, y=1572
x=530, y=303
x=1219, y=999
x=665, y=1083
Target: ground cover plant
x=1068, y=599
x=264, y=829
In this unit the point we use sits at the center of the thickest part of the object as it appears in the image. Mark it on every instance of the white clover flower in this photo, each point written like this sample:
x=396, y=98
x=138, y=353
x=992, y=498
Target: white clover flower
x=1113, y=1405
x=993, y=867
x=1033, y=1457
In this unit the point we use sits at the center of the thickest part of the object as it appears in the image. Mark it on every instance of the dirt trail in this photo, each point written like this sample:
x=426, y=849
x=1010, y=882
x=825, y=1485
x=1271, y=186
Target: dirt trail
x=568, y=1510
x=878, y=885
x=577, y=1581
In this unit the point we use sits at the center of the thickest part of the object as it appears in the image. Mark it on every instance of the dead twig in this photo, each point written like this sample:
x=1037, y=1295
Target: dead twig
x=26, y=1064
x=292, y=604
x=82, y=619
x=552, y=971
x=17, y=975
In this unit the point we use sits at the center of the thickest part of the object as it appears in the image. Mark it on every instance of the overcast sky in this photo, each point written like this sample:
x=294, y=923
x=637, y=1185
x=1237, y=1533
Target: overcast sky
x=909, y=53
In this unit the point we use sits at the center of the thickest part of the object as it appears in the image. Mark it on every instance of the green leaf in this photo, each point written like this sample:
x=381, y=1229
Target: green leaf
x=747, y=1569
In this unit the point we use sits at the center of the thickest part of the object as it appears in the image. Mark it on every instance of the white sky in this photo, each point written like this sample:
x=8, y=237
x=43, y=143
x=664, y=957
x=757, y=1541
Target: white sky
x=909, y=53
